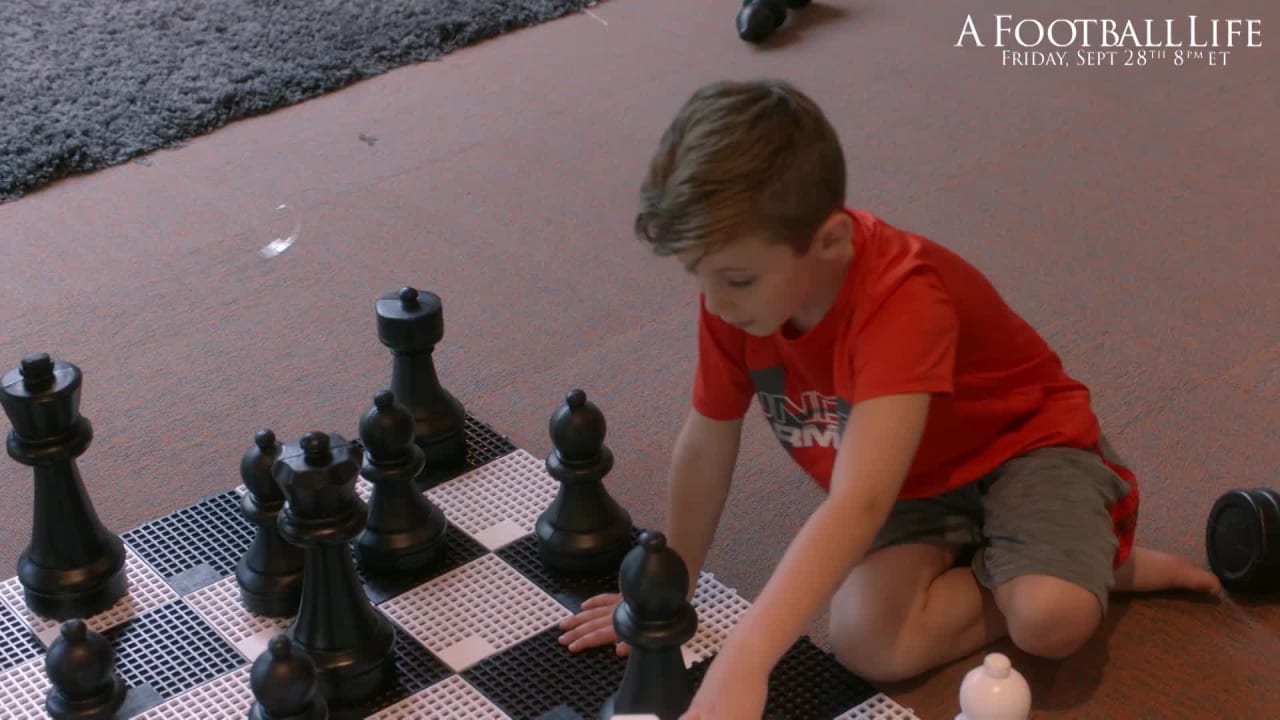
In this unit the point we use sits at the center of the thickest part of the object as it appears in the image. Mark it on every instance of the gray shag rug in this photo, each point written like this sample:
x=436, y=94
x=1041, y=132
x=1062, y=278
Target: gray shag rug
x=85, y=84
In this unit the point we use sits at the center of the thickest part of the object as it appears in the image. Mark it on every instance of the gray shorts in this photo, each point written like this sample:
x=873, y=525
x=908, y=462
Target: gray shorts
x=1048, y=512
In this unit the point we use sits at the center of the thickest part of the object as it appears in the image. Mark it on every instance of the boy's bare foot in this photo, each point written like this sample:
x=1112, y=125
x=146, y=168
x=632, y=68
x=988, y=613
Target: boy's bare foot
x=1149, y=570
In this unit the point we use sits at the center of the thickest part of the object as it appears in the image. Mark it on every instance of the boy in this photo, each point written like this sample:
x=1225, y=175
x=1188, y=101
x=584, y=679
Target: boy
x=937, y=420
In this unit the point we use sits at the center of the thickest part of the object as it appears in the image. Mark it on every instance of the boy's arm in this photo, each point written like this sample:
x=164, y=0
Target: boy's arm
x=877, y=450
x=702, y=463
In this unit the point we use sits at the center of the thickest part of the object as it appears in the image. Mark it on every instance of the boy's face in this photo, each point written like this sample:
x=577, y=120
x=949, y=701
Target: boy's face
x=759, y=285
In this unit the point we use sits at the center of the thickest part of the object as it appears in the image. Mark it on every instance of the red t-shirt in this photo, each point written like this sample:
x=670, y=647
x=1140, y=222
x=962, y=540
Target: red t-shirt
x=911, y=316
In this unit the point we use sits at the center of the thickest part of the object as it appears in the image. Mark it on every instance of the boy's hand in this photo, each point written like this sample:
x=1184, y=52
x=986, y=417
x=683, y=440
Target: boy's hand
x=593, y=626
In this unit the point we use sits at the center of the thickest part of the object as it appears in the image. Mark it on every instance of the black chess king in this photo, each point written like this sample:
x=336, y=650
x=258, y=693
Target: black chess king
x=74, y=567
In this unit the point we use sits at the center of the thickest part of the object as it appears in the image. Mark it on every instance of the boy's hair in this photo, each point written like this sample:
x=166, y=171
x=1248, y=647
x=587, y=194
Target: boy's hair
x=742, y=157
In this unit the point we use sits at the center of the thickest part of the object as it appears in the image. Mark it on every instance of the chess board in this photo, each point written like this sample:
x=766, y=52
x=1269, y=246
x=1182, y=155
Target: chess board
x=476, y=638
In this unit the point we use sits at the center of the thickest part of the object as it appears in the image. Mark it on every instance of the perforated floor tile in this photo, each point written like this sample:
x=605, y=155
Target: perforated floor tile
x=500, y=502
x=806, y=683
x=146, y=590
x=416, y=668
x=540, y=675
x=219, y=604
x=17, y=643
x=484, y=445
x=569, y=590
x=171, y=649
x=22, y=691
x=459, y=549
x=719, y=608
x=228, y=696
x=452, y=698
x=474, y=611
x=196, y=545
x=879, y=707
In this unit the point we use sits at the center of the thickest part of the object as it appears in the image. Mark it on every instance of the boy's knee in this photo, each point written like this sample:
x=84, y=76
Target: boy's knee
x=1049, y=617
x=866, y=653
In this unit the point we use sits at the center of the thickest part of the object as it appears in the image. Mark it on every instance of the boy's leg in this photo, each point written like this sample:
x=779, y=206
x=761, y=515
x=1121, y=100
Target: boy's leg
x=1058, y=522
x=908, y=607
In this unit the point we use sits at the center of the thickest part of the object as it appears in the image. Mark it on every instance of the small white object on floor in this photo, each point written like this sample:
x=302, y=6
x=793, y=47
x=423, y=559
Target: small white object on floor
x=994, y=691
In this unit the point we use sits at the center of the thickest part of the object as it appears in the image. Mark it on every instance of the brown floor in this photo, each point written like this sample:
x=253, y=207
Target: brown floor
x=1129, y=213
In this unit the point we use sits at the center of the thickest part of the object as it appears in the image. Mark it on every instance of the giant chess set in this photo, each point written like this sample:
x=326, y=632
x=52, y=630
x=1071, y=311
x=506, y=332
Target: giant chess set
x=417, y=570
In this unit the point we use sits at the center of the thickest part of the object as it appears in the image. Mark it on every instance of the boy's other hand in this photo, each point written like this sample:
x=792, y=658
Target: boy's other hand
x=593, y=626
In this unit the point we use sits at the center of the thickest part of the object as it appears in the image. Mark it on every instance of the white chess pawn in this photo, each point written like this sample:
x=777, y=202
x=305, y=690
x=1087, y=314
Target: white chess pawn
x=994, y=691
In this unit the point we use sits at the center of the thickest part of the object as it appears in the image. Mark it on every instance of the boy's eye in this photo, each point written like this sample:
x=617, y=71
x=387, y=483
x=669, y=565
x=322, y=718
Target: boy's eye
x=741, y=282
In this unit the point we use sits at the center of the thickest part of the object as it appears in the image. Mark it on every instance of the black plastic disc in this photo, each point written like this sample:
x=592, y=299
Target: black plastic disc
x=1242, y=540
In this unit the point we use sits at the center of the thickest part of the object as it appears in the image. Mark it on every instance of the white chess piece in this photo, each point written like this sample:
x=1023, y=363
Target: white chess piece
x=994, y=691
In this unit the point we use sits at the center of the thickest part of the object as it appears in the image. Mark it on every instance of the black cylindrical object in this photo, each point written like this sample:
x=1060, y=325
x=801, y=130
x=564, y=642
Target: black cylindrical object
x=1242, y=540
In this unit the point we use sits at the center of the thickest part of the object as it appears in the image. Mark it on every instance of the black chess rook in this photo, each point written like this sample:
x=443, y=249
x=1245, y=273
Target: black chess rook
x=411, y=325
x=285, y=684
x=74, y=567
x=83, y=683
x=270, y=572
x=584, y=531
x=350, y=641
x=655, y=618
x=405, y=532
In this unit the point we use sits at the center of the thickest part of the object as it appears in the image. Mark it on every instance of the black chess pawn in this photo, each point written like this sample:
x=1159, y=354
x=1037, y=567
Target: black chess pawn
x=411, y=324
x=350, y=641
x=405, y=532
x=83, y=682
x=655, y=619
x=584, y=530
x=74, y=566
x=285, y=684
x=270, y=572
x=759, y=18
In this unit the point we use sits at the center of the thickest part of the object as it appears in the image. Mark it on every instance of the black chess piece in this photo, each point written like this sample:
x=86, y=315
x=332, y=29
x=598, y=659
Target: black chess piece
x=350, y=641
x=758, y=19
x=285, y=684
x=655, y=619
x=411, y=324
x=270, y=572
x=405, y=532
x=74, y=566
x=583, y=531
x=83, y=682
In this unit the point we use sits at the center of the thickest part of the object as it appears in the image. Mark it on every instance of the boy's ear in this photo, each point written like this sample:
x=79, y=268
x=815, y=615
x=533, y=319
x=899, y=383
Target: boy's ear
x=833, y=235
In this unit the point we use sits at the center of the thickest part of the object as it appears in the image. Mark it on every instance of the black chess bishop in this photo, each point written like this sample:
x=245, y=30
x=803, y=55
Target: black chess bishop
x=74, y=567
x=411, y=325
x=655, y=619
x=350, y=641
x=270, y=572
x=584, y=531
x=405, y=531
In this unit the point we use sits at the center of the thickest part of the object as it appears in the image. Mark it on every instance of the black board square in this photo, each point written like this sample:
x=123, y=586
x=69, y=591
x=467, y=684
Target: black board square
x=484, y=445
x=17, y=643
x=569, y=590
x=459, y=549
x=171, y=649
x=806, y=683
x=540, y=676
x=416, y=669
x=196, y=545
